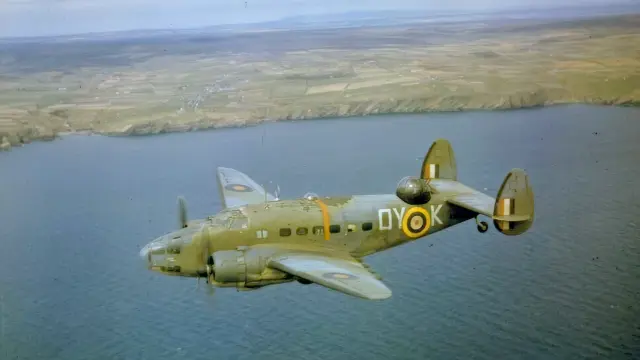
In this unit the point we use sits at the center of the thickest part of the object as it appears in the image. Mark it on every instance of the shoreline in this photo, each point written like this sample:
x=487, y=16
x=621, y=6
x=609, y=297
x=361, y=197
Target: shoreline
x=183, y=128
x=134, y=87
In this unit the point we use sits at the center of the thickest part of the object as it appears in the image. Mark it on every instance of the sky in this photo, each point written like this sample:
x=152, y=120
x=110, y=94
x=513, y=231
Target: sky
x=57, y=17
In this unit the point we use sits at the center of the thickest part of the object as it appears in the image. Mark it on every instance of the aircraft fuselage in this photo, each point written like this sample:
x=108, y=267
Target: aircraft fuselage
x=259, y=240
x=359, y=225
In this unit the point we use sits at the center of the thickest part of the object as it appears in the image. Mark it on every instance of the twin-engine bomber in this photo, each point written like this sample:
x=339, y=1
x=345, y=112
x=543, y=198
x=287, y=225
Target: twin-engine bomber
x=259, y=240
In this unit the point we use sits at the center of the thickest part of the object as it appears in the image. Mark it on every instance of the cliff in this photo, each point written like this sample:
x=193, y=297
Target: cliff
x=364, y=108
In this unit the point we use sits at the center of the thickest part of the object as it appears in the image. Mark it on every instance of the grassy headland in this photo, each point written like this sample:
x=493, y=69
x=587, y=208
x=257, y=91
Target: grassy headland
x=166, y=83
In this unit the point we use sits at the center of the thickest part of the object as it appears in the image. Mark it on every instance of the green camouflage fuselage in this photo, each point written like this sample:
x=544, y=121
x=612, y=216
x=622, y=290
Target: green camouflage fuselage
x=258, y=240
x=358, y=225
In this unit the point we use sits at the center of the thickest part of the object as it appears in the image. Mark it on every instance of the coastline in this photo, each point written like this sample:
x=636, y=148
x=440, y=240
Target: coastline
x=133, y=87
x=202, y=126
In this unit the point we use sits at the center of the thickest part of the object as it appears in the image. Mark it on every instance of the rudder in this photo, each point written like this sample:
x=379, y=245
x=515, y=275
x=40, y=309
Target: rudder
x=440, y=162
x=513, y=211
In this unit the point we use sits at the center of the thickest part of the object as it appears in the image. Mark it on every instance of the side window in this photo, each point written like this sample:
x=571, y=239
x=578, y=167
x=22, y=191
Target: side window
x=301, y=231
x=318, y=230
x=285, y=232
x=367, y=226
x=334, y=229
x=351, y=228
x=173, y=249
x=262, y=234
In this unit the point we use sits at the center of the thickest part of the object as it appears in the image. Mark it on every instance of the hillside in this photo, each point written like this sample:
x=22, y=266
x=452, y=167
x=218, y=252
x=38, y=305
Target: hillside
x=207, y=80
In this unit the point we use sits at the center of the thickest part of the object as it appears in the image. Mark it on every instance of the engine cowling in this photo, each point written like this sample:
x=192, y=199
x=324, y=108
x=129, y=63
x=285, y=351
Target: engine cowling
x=229, y=266
x=414, y=190
x=243, y=268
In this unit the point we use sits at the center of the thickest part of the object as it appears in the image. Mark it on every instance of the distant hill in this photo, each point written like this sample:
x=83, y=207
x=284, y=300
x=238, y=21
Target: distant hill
x=351, y=19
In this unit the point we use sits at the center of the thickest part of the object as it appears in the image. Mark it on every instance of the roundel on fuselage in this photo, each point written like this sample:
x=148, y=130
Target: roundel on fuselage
x=416, y=222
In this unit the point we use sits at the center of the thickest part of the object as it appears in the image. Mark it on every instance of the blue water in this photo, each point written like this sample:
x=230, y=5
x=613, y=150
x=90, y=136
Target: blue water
x=74, y=213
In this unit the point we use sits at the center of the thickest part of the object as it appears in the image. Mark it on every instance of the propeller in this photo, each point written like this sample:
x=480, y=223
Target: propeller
x=210, y=265
x=204, y=239
x=182, y=212
x=277, y=193
x=210, y=274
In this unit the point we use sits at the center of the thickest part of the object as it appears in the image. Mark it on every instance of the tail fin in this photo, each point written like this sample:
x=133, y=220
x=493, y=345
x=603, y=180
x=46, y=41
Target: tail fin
x=513, y=212
x=440, y=162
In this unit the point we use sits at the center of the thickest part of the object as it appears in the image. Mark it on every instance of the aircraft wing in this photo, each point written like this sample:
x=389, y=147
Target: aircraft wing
x=344, y=275
x=237, y=189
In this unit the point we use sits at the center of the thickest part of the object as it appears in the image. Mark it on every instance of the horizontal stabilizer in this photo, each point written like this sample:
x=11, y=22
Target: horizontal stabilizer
x=474, y=201
x=512, y=217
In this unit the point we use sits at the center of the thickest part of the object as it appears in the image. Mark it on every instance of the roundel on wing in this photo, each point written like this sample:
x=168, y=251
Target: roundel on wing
x=416, y=222
x=238, y=188
x=339, y=276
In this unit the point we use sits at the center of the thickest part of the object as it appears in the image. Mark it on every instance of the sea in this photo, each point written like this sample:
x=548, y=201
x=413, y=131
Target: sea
x=75, y=212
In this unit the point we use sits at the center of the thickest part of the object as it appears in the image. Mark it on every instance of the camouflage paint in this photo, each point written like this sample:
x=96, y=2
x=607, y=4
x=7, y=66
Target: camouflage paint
x=237, y=246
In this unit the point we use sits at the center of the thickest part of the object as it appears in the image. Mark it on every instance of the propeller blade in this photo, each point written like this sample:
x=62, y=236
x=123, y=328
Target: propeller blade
x=182, y=212
x=210, y=265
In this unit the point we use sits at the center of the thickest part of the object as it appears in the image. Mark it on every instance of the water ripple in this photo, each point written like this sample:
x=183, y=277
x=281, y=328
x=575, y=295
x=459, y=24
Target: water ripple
x=72, y=288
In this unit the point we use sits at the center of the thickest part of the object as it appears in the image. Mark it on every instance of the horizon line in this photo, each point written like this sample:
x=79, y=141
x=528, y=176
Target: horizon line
x=414, y=12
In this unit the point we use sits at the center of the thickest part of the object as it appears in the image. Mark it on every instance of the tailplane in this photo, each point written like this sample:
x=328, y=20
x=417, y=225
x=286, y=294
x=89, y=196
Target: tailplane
x=513, y=212
x=440, y=162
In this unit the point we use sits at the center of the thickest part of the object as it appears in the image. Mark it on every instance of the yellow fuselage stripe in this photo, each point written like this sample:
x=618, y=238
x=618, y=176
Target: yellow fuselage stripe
x=325, y=218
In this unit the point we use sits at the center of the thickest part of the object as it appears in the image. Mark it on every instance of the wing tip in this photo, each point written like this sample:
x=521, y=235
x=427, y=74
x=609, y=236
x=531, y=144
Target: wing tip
x=380, y=295
x=382, y=292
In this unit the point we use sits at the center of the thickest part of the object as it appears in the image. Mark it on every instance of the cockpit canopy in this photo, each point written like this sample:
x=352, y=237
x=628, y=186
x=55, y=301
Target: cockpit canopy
x=232, y=219
x=310, y=196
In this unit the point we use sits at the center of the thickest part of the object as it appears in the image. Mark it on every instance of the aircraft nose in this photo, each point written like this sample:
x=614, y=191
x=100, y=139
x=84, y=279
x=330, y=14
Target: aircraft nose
x=145, y=256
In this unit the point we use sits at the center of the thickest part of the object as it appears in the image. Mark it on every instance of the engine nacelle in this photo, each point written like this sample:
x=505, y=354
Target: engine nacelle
x=414, y=190
x=229, y=266
x=243, y=268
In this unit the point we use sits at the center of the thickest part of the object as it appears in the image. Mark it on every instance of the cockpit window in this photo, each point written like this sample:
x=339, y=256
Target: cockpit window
x=231, y=219
x=222, y=219
x=238, y=220
x=239, y=223
x=173, y=249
